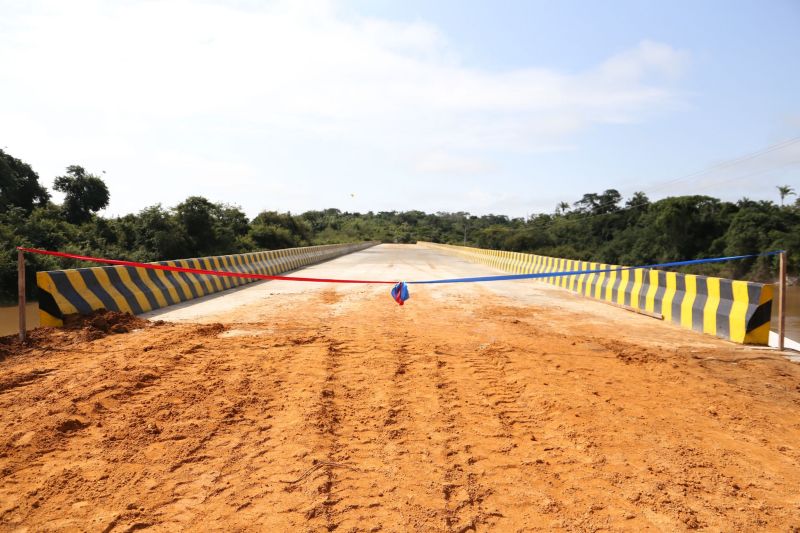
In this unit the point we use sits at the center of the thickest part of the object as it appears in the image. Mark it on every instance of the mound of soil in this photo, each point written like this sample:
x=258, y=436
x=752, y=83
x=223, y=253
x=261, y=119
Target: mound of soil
x=102, y=322
x=77, y=328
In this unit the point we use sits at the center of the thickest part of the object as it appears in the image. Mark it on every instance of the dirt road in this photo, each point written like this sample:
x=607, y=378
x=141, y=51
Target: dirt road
x=506, y=407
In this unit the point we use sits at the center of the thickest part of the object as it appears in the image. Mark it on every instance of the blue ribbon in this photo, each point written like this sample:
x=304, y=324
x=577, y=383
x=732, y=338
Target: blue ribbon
x=576, y=272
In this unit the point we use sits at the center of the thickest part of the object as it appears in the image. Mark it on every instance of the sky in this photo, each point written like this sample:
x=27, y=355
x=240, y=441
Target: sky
x=505, y=107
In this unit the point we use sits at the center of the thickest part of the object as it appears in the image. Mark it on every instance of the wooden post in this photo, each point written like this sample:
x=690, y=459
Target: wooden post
x=782, y=300
x=21, y=290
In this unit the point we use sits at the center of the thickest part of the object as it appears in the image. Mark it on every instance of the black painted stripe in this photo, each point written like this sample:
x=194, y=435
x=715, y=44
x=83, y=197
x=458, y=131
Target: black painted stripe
x=265, y=263
x=643, y=289
x=148, y=293
x=233, y=267
x=629, y=288
x=48, y=304
x=208, y=279
x=93, y=284
x=113, y=276
x=658, y=304
x=258, y=263
x=248, y=266
x=156, y=279
x=225, y=267
x=753, y=299
x=761, y=316
x=699, y=305
x=194, y=280
x=175, y=280
x=218, y=282
x=229, y=282
x=184, y=277
x=677, y=300
x=237, y=268
x=64, y=286
x=724, y=309
x=585, y=280
x=615, y=288
x=205, y=283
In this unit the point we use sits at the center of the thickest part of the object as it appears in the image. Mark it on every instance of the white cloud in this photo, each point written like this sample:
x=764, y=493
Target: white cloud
x=143, y=87
x=445, y=163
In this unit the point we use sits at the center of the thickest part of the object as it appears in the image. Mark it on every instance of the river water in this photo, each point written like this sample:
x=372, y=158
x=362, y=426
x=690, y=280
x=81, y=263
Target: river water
x=9, y=317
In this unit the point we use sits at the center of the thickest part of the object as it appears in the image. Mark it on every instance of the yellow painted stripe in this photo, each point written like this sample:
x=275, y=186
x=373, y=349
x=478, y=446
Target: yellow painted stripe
x=623, y=284
x=587, y=289
x=760, y=335
x=47, y=320
x=599, y=283
x=612, y=278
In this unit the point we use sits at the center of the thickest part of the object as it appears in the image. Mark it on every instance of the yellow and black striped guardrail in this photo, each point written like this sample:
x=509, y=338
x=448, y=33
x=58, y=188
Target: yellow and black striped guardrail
x=735, y=310
x=138, y=290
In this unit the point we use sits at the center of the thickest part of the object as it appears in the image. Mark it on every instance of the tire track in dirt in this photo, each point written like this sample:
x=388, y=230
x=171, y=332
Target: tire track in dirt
x=353, y=435
x=340, y=411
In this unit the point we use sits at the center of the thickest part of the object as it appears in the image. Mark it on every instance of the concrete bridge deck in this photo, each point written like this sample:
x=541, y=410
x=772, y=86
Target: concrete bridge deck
x=508, y=406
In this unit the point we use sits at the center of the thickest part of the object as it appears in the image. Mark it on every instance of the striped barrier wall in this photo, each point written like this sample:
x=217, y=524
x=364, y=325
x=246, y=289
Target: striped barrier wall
x=138, y=290
x=735, y=310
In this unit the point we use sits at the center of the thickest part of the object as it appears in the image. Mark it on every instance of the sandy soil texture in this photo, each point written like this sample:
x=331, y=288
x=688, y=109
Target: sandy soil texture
x=335, y=409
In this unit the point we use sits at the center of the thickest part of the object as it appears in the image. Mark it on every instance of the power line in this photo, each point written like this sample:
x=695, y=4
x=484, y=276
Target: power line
x=724, y=164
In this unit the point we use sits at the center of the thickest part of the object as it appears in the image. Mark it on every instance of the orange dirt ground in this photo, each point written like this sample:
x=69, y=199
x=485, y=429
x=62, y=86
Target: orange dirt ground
x=358, y=415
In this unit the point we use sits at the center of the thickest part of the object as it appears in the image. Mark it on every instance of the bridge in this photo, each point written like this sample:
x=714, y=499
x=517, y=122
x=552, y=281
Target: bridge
x=474, y=407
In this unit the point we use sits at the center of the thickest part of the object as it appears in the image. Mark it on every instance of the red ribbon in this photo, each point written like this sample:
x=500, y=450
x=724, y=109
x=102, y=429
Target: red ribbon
x=192, y=270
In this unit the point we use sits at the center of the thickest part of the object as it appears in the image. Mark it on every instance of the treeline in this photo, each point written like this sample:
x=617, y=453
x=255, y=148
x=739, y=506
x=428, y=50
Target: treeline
x=598, y=227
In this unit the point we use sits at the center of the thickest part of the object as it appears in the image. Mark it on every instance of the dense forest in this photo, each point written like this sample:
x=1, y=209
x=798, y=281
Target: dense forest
x=598, y=226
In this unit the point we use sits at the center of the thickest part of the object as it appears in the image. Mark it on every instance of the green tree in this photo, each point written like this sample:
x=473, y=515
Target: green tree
x=84, y=194
x=19, y=185
x=212, y=228
x=784, y=191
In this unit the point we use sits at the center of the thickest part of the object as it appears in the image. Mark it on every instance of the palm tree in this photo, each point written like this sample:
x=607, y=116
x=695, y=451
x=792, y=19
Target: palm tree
x=562, y=208
x=784, y=191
